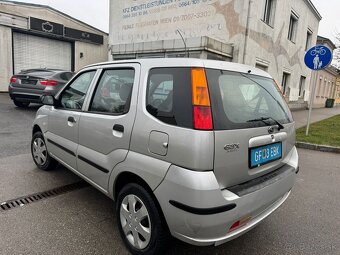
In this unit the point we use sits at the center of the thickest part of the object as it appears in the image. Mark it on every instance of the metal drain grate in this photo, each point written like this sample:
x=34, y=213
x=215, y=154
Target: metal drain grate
x=19, y=202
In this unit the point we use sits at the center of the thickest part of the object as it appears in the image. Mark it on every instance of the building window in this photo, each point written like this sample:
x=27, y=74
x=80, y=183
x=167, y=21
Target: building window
x=262, y=67
x=318, y=87
x=329, y=89
x=285, y=81
x=324, y=88
x=309, y=39
x=293, y=24
x=302, y=86
x=268, y=15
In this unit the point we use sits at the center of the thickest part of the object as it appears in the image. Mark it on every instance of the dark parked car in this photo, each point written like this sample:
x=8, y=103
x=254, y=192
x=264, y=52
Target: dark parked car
x=27, y=86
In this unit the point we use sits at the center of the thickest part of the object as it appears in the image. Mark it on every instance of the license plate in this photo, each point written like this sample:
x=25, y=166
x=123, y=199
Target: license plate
x=28, y=82
x=265, y=154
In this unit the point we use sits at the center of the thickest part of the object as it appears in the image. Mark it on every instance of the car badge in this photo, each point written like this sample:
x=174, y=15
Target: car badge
x=232, y=147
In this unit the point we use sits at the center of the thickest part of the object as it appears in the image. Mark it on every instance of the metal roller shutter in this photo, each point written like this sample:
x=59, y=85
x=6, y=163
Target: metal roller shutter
x=38, y=52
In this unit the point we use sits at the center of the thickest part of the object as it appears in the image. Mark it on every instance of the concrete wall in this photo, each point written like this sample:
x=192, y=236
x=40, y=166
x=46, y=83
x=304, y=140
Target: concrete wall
x=194, y=20
x=270, y=45
x=6, y=64
x=92, y=53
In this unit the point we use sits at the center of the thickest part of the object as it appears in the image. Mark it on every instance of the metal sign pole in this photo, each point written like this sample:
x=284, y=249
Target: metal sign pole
x=311, y=100
x=316, y=58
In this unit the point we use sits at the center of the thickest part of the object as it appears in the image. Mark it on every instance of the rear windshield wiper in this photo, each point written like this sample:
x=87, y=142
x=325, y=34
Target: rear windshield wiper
x=264, y=120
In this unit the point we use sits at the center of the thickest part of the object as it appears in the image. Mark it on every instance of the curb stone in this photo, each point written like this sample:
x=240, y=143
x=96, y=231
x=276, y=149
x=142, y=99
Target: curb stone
x=316, y=147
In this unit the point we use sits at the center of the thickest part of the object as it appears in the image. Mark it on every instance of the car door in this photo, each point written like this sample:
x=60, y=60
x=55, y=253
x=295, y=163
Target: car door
x=63, y=120
x=105, y=128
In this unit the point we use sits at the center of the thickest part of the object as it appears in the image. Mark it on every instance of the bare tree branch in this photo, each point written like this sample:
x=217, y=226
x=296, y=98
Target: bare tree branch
x=336, y=57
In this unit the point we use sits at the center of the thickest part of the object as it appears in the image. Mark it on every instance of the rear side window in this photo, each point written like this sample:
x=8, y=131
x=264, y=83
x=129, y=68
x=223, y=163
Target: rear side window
x=239, y=99
x=169, y=96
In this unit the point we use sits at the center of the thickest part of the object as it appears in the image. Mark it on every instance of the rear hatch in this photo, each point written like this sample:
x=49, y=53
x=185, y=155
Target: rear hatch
x=31, y=79
x=253, y=127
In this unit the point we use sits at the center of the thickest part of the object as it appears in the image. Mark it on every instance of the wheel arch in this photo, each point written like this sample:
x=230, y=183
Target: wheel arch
x=36, y=128
x=127, y=177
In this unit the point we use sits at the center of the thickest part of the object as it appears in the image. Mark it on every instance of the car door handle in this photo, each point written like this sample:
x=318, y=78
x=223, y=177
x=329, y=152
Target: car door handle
x=71, y=119
x=118, y=128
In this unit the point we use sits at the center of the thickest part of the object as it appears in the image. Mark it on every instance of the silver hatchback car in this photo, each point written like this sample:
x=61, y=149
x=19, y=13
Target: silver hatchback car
x=196, y=149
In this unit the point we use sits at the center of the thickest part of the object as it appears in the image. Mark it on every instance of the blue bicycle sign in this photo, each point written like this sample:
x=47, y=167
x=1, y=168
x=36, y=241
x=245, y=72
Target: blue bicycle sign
x=318, y=51
x=318, y=57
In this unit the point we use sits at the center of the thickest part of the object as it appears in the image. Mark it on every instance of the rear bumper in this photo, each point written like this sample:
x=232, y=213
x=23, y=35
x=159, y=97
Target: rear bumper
x=230, y=236
x=28, y=95
x=200, y=192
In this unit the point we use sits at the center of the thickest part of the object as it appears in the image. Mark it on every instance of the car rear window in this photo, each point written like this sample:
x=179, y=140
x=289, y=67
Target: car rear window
x=238, y=99
x=66, y=76
x=169, y=96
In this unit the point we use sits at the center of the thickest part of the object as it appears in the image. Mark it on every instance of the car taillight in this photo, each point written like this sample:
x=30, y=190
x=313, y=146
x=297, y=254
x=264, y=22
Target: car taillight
x=202, y=118
x=201, y=100
x=13, y=80
x=49, y=83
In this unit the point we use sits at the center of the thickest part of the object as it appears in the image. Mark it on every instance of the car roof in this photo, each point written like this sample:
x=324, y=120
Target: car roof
x=189, y=62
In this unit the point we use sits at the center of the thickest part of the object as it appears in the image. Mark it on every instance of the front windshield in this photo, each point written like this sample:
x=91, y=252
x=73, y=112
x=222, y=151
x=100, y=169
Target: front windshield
x=238, y=99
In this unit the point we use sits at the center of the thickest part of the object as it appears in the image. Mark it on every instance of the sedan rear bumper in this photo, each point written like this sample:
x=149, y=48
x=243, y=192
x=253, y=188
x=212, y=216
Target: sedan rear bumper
x=28, y=95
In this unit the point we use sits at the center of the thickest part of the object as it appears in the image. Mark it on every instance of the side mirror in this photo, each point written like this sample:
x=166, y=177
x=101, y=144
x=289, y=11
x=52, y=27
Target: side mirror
x=48, y=100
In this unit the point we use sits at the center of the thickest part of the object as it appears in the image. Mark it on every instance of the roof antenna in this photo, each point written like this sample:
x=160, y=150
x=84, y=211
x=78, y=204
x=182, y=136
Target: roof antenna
x=249, y=71
x=185, y=45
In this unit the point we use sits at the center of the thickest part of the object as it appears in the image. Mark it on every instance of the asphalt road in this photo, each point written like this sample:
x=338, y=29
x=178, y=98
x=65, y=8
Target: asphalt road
x=84, y=221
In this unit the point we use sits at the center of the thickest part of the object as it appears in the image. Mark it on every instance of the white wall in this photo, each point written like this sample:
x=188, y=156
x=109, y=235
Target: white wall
x=92, y=54
x=271, y=44
x=6, y=64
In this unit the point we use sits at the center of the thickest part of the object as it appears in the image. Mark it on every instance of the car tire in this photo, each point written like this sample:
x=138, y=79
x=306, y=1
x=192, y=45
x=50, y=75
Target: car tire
x=40, y=155
x=21, y=104
x=135, y=223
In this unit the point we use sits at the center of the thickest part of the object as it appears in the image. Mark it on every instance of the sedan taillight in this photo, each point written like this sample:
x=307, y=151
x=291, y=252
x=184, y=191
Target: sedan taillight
x=13, y=80
x=49, y=83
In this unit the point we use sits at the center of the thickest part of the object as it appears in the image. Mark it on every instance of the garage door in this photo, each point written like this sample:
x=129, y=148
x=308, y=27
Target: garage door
x=38, y=52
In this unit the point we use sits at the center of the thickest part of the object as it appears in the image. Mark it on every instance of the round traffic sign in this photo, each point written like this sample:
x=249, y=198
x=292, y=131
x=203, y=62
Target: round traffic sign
x=318, y=57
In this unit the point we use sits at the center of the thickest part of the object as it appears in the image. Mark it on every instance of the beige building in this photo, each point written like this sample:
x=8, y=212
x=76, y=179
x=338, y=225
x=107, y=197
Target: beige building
x=270, y=34
x=38, y=36
x=325, y=86
x=326, y=79
x=337, y=91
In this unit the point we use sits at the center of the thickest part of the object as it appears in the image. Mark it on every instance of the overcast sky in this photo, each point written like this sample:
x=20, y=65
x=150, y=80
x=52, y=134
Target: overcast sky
x=96, y=13
x=330, y=12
